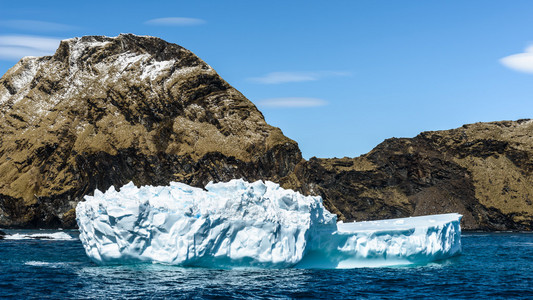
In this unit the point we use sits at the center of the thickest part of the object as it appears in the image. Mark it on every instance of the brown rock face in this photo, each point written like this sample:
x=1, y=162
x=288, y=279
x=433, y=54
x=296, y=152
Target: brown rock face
x=105, y=111
x=483, y=171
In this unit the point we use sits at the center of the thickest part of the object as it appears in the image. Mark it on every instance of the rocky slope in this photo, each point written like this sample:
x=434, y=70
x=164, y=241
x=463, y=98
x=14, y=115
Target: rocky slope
x=483, y=171
x=103, y=111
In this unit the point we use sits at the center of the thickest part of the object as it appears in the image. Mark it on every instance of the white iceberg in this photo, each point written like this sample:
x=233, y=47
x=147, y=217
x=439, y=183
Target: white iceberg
x=241, y=224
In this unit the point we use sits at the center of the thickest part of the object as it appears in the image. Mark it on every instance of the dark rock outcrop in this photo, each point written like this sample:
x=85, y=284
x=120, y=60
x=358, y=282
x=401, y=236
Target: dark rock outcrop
x=482, y=170
x=105, y=111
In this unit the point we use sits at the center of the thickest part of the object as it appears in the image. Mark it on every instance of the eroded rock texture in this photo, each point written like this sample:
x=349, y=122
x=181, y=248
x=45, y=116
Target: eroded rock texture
x=483, y=171
x=103, y=111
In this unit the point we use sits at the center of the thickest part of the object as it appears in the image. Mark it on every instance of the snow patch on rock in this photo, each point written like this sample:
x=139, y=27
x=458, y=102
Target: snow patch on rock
x=155, y=68
x=22, y=75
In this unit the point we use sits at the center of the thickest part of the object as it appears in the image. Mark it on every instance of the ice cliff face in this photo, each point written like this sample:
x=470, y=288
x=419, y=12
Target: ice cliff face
x=234, y=223
x=250, y=224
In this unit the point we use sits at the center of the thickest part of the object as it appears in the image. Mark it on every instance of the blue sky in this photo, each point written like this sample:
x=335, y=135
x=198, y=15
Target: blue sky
x=338, y=77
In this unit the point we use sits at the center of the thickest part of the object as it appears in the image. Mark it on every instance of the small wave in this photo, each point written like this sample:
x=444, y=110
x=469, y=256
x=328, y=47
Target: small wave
x=44, y=264
x=520, y=244
x=40, y=236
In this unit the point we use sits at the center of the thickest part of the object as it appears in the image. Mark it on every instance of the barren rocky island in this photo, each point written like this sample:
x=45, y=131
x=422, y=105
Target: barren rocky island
x=104, y=111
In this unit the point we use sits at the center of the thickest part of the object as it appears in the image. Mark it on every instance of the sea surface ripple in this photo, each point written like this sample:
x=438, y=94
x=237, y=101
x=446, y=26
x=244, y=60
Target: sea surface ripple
x=495, y=265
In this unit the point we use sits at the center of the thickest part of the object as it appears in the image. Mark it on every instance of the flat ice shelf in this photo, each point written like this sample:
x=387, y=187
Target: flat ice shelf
x=404, y=241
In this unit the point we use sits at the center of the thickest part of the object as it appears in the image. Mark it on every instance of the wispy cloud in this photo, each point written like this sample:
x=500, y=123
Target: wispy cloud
x=175, y=21
x=522, y=62
x=292, y=102
x=39, y=26
x=285, y=77
x=18, y=46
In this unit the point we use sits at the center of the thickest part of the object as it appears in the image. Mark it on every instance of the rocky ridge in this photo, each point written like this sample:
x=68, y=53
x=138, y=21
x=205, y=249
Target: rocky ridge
x=105, y=111
x=483, y=171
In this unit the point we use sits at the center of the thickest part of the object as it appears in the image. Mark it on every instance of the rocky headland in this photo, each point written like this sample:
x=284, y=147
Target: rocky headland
x=482, y=171
x=105, y=111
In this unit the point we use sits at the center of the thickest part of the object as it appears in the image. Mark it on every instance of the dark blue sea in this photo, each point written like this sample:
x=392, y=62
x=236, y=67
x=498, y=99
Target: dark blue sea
x=492, y=266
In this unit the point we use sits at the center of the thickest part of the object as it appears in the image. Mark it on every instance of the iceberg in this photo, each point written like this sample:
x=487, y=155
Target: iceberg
x=241, y=224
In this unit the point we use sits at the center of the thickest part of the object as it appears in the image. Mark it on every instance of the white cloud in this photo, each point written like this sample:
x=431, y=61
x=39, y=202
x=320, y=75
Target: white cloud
x=176, y=21
x=292, y=102
x=522, y=62
x=285, y=77
x=33, y=25
x=16, y=53
x=282, y=77
x=18, y=46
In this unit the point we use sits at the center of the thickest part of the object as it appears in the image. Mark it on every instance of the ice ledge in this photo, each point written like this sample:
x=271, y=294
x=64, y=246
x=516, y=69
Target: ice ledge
x=404, y=241
x=398, y=224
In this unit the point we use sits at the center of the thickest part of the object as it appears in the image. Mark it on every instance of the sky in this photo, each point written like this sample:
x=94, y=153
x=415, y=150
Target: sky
x=338, y=77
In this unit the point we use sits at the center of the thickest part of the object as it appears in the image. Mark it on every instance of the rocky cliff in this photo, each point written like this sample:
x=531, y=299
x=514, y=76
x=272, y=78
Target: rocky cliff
x=105, y=111
x=483, y=171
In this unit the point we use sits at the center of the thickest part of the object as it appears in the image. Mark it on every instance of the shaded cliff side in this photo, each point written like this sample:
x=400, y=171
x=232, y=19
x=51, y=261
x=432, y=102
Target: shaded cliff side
x=483, y=171
x=103, y=111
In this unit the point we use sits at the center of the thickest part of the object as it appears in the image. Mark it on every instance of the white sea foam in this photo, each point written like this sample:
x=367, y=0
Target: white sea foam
x=44, y=236
x=44, y=264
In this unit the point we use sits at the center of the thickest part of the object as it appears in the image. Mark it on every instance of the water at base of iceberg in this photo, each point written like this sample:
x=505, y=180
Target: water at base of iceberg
x=239, y=224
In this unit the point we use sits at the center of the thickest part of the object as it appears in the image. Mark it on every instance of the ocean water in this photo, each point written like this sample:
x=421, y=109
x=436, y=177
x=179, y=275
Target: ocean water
x=492, y=266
